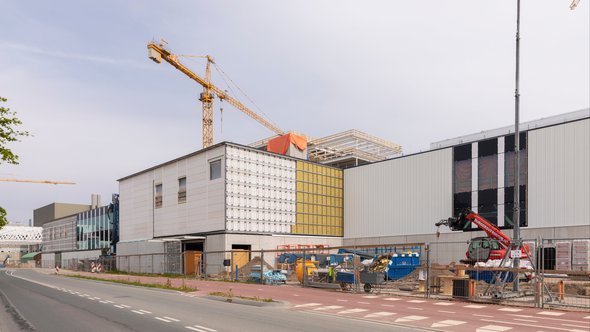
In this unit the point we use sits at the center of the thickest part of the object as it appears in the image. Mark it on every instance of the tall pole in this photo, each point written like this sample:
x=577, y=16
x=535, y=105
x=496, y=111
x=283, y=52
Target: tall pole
x=516, y=216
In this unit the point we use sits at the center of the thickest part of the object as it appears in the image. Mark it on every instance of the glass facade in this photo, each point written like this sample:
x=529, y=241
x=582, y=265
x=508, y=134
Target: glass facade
x=94, y=229
x=319, y=200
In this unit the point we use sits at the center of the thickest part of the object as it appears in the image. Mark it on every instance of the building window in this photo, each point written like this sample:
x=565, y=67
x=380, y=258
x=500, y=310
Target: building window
x=158, y=196
x=181, y=190
x=215, y=169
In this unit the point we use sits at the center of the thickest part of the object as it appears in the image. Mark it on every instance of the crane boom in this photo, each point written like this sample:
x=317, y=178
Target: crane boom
x=490, y=229
x=37, y=181
x=157, y=52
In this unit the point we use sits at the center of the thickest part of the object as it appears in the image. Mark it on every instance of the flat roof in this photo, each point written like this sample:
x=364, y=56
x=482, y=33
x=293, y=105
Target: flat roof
x=525, y=126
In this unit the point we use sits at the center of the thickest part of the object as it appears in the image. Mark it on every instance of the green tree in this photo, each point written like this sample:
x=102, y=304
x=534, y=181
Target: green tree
x=8, y=133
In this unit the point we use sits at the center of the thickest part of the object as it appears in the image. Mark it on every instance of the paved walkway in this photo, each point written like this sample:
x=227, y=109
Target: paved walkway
x=415, y=312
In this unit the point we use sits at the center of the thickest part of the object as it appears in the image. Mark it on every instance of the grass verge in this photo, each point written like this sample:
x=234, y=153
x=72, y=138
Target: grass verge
x=229, y=296
x=168, y=285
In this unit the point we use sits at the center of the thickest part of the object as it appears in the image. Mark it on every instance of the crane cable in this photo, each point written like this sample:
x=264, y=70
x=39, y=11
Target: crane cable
x=224, y=76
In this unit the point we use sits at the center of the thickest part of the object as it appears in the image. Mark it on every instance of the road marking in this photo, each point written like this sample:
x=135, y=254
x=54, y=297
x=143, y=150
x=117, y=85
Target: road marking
x=474, y=306
x=109, y=301
x=510, y=309
x=162, y=319
x=205, y=328
x=307, y=305
x=118, y=306
x=492, y=328
x=447, y=312
x=85, y=295
x=138, y=312
x=444, y=303
x=145, y=311
x=447, y=323
x=352, y=311
x=584, y=327
x=340, y=300
x=126, y=306
x=387, y=305
x=416, y=301
x=549, y=318
x=409, y=319
x=370, y=296
x=483, y=316
x=537, y=326
x=526, y=320
x=295, y=294
x=103, y=301
x=391, y=299
x=414, y=308
x=172, y=319
x=194, y=329
x=587, y=317
x=363, y=302
x=330, y=307
x=379, y=314
x=550, y=313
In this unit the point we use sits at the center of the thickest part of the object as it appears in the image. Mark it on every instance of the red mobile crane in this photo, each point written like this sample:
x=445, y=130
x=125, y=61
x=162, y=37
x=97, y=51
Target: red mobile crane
x=494, y=246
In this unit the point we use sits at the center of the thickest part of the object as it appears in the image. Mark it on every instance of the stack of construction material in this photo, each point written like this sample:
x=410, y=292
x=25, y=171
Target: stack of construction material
x=563, y=256
x=581, y=255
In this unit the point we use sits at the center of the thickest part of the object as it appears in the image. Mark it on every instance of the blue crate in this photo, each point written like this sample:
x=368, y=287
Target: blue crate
x=345, y=277
x=398, y=272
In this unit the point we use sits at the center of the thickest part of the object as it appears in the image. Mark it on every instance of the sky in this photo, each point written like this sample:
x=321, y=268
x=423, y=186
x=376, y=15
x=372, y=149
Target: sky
x=411, y=72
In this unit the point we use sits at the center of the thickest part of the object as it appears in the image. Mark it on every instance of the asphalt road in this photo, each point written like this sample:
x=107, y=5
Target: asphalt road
x=34, y=301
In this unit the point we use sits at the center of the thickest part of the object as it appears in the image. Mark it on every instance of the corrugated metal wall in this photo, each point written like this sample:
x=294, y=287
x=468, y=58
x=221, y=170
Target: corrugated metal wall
x=559, y=175
x=398, y=197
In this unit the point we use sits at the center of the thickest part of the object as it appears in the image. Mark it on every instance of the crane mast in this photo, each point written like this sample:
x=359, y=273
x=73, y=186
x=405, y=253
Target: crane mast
x=157, y=52
x=37, y=181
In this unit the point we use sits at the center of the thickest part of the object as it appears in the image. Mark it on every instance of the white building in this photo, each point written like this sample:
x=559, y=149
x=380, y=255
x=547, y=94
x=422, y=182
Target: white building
x=399, y=200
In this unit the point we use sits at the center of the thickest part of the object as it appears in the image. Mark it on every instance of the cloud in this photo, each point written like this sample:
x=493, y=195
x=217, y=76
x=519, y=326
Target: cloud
x=71, y=56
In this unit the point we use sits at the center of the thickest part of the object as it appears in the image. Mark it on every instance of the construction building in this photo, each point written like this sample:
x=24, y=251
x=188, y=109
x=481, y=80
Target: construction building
x=17, y=241
x=399, y=200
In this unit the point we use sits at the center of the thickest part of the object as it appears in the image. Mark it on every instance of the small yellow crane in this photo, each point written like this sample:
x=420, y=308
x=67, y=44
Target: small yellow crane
x=157, y=52
x=37, y=181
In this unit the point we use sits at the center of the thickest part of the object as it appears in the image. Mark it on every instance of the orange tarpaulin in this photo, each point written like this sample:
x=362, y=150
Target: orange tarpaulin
x=281, y=144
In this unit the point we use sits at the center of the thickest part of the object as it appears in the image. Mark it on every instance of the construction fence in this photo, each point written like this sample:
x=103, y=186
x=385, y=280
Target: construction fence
x=550, y=272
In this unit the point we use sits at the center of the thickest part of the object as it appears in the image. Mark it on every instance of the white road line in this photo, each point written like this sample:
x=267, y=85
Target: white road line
x=387, y=305
x=510, y=309
x=118, y=306
x=549, y=318
x=363, y=302
x=194, y=329
x=578, y=326
x=493, y=328
x=340, y=300
x=587, y=317
x=172, y=319
x=352, y=311
x=103, y=301
x=330, y=307
x=474, y=306
x=414, y=308
x=526, y=320
x=162, y=319
x=125, y=306
x=109, y=301
x=550, y=313
x=409, y=319
x=531, y=325
x=391, y=299
x=447, y=312
x=307, y=305
x=205, y=328
x=444, y=303
x=416, y=301
x=85, y=295
x=138, y=312
x=145, y=311
x=97, y=298
x=379, y=314
x=370, y=296
x=447, y=323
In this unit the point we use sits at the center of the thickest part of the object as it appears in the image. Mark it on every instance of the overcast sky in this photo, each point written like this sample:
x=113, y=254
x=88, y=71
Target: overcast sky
x=411, y=72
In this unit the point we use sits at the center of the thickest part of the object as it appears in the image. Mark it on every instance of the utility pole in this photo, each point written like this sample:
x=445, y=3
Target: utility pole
x=516, y=216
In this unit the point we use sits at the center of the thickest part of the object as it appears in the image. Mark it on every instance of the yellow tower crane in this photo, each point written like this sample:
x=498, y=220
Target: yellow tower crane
x=157, y=52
